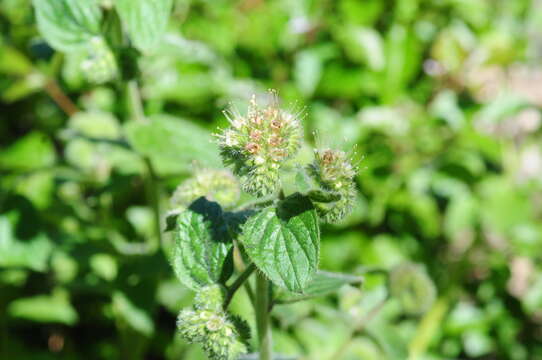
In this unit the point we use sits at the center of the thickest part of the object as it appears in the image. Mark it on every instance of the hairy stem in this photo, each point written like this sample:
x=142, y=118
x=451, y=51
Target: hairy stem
x=262, y=317
x=237, y=284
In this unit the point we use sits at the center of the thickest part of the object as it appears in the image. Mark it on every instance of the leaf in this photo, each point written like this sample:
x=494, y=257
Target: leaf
x=33, y=254
x=323, y=283
x=202, y=245
x=68, y=25
x=45, y=308
x=172, y=144
x=33, y=151
x=144, y=20
x=138, y=319
x=284, y=242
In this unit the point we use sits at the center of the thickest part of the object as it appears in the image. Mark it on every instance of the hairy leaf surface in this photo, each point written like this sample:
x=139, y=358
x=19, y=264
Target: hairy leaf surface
x=284, y=242
x=202, y=245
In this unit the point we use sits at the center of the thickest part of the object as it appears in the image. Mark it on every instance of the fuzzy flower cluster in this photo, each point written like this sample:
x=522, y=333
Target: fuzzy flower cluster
x=208, y=325
x=258, y=143
x=411, y=285
x=100, y=65
x=216, y=185
x=334, y=173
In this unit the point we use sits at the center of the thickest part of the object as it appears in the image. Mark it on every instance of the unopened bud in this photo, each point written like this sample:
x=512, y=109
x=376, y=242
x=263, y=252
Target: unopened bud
x=333, y=171
x=214, y=331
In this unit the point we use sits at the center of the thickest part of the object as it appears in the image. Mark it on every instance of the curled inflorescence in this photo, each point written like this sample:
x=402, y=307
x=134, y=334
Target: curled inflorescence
x=257, y=144
x=333, y=172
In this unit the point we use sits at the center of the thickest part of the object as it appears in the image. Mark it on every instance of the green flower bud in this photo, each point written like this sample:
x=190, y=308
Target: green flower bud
x=257, y=144
x=210, y=297
x=333, y=171
x=411, y=285
x=100, y=65
x=214, y=331
x=216, y=185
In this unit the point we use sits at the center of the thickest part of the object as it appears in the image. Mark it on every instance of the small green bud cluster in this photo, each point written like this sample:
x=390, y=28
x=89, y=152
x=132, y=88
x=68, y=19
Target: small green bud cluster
x=216, y=185
x=258, y=143
x=207, y=324
x=334, y=173
x=100, y=65
x=411, y=285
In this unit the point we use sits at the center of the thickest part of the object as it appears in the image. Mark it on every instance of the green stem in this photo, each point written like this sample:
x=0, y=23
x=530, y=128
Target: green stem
x=238, y=283
x=154, y=198
x=262, y=317
x=136, y=110
x=134, y=97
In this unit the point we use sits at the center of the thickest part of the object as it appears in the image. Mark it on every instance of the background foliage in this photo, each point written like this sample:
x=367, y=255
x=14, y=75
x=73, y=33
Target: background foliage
x=441, y=97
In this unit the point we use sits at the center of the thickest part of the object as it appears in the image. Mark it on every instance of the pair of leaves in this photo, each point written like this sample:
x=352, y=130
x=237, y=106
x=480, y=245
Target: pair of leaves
x=68, y=25
x=282, y=241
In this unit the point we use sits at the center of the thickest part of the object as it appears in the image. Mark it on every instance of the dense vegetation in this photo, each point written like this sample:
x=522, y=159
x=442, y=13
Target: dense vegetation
x=439, y=98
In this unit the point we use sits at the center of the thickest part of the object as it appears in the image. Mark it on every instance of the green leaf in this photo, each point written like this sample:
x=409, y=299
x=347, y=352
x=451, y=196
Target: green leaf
x=33, y=151
x=68, y=25
x=202, y=245
x=33, y=254
x=144, y=20
x=137, y=318
x=172, y=144
x=323, y=283
x=284, y=242
x=45, y=308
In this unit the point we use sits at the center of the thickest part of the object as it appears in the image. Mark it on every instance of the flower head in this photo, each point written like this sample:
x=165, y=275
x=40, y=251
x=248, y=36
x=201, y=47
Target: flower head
x=214, y=331
x=258, y=143
x=333, y=171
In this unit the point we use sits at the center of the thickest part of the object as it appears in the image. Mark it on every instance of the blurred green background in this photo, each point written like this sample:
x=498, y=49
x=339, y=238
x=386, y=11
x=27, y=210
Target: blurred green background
x=440, y=97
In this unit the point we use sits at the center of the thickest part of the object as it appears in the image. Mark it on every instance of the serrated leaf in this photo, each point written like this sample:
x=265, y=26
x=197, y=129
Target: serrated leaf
x=172, y=144
x=202, y=245
x=145, y=20
x=323, y=283
x=67, y=25
x=284, y=242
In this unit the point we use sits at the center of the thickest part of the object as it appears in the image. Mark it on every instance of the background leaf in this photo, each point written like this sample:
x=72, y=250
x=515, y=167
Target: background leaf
x=68, y=24
x=145, y=20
